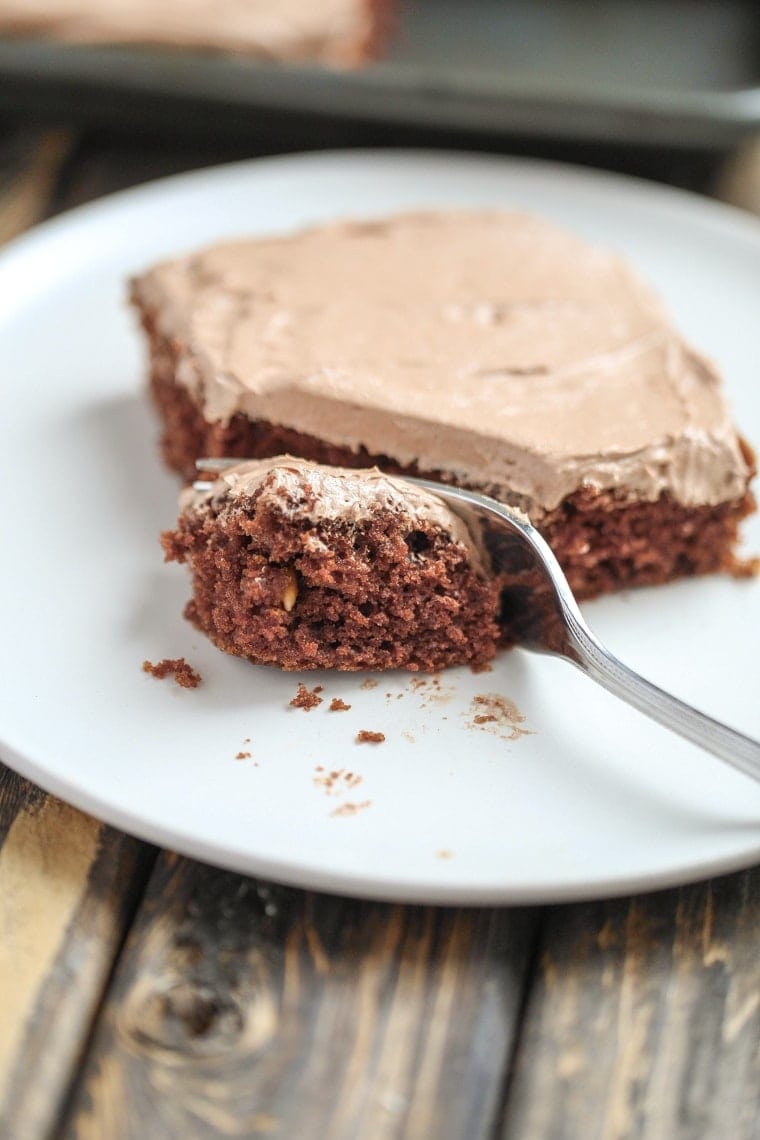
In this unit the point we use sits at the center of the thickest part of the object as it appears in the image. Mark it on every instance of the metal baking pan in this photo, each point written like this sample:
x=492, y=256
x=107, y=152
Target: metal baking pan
x=667, y=72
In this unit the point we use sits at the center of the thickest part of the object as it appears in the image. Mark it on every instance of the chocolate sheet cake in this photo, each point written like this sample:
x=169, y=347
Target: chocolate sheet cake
x=338, y=32
x=311, y=567
x=487, y=349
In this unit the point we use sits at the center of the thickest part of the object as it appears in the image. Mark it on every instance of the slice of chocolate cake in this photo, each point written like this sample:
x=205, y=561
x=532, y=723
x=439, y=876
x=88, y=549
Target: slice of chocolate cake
x=311, y=567
x=486, y=349
x=336, y=32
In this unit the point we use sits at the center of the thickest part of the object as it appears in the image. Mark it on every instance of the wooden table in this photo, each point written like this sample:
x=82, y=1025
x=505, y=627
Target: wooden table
x=148, y=996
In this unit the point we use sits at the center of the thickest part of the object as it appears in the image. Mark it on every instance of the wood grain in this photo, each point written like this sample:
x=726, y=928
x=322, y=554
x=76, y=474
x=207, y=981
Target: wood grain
x=30, y=164
x=738, y=182
x=68, y=887
x=644, y=1020
x=245, y=1010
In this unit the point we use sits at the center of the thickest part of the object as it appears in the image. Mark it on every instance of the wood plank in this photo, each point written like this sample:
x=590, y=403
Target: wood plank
x=68, y=887
x=644, y=1020
x=241, y=1009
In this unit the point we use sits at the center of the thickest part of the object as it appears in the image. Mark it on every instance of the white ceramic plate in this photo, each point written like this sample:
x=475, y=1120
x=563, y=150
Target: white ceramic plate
x=598, y=800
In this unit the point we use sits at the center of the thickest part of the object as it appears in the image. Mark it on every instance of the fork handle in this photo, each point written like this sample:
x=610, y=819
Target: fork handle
x=603, y=667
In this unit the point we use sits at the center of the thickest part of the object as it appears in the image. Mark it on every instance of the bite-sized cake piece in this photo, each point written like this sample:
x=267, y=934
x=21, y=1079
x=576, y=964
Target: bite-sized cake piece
x=311, y=567
x=487, y=349
x=341, y=32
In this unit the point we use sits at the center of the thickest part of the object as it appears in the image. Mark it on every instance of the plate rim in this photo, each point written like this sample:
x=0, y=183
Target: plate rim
x=379, y=889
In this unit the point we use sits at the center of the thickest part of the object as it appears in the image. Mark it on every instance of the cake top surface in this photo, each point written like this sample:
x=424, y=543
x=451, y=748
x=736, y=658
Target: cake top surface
x=319, y=492
x=278, y=28
x=492, y=345
x=298, y=488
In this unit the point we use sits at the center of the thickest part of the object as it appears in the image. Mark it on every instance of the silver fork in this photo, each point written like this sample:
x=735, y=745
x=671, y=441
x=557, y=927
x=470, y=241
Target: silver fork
x=550, y=621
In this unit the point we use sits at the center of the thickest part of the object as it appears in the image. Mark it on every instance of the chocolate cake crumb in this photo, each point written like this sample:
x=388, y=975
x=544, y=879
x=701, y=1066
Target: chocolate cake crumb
x=337, y=704
x=177, y=667
x=746, y=567
x=243, y=756
x=307, y=698
x=365, y=737
x=497, y=714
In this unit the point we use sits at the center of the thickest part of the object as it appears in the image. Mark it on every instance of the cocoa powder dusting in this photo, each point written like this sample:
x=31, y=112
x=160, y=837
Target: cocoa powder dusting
x=176, y=667
x=430, y=691
x=497, y=714
x=365, y=737
x=338, y=705
x=347, y=809
x=243, y=756
x=335, y=783
x=307, y=698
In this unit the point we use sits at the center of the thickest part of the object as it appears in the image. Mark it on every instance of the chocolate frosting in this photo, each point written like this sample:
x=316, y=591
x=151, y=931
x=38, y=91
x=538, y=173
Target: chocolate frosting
x=331, y=30
x=491, y=346
x=313, y=492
